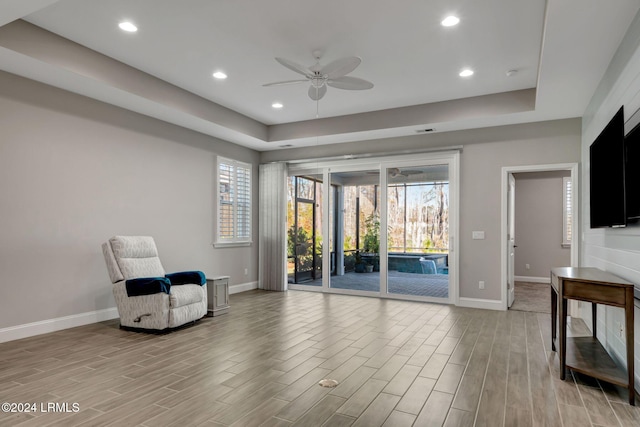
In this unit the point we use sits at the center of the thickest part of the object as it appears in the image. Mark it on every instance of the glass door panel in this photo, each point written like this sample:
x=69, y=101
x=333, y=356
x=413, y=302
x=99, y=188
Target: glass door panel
x=304, y=235
x=418, y=231
x=303, y=242
x=355, y=206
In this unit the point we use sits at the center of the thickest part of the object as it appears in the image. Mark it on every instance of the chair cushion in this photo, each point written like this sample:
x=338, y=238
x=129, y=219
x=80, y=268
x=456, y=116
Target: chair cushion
x=137, y=256
x=185, y=295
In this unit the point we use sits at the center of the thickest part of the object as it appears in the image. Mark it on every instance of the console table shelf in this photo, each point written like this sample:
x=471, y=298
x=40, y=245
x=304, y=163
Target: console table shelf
x=585, y=354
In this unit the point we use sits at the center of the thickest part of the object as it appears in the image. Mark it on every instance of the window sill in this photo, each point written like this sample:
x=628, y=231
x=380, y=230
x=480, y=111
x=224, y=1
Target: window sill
x=231, y=244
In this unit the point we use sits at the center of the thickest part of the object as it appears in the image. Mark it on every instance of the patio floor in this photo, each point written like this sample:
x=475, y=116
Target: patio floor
x=427, y=285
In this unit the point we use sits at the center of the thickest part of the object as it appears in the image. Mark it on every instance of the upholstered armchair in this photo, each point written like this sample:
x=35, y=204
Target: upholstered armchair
x=146, y=297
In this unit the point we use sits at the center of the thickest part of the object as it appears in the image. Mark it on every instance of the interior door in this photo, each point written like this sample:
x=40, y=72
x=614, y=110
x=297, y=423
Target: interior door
x=511, y=256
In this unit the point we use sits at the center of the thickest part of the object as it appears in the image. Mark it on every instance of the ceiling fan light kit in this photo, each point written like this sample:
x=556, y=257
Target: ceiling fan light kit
x=333, y=74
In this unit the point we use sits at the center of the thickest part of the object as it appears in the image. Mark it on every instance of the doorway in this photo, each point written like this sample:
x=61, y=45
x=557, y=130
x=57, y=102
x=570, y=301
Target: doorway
x=381, y=227
x=512, y=272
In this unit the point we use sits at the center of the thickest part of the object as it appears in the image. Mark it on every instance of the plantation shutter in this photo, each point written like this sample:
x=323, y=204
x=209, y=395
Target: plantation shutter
x=234, y=210
x=567, y=208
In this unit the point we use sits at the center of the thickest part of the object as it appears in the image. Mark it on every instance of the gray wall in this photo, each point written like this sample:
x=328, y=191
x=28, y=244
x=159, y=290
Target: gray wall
x=74, y=172
x=613, y=250
x=539, y=223
x=485, y=152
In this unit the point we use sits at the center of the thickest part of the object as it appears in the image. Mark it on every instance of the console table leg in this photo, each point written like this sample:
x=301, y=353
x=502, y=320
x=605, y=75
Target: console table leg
x=563, y=337
x=554, y=318
x=628, y=314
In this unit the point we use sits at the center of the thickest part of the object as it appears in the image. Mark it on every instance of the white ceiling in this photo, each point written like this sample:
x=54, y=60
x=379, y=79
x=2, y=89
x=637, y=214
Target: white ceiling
x=560, y=48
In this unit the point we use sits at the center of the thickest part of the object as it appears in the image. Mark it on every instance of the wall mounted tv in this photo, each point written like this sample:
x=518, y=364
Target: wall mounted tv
x=607, y=176
x=632, y=174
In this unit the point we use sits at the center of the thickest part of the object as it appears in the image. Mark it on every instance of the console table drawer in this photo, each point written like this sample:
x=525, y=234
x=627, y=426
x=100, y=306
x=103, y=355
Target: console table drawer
x=601, y=294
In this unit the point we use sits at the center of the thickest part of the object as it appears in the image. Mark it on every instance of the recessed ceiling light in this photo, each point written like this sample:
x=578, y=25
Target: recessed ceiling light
x=277, y=105
x=219, y=75
x=466, y=72
x=450, y=21
x=128, y=26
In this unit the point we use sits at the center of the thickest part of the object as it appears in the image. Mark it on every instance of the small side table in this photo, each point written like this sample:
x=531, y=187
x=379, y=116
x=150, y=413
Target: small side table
x=217, y=296
x=585, y=354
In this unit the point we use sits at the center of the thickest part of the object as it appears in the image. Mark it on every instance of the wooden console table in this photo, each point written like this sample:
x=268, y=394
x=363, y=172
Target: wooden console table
x=585, y=354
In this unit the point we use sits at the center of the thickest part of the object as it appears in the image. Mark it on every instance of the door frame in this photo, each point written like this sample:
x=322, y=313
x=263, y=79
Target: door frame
x=326, y=167
x=575, y=193
x=511, y=226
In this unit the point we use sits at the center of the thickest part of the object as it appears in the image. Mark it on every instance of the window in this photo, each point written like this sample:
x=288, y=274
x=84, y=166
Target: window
x=566, y=209
x=234, y=197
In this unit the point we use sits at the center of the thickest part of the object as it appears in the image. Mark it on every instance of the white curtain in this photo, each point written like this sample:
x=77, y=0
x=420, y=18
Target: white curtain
x=273, y=227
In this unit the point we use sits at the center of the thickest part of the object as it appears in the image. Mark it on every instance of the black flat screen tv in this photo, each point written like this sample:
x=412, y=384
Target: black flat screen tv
x=632, y=175
x=607, y=176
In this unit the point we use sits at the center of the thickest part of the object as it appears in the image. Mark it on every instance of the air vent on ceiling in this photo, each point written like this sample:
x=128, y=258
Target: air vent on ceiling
x=285, y=146
x=425, y=130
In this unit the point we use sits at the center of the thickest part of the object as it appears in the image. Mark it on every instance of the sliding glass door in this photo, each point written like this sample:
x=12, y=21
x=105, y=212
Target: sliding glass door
x=357, y=211
x=418, y=231
x=378, y=227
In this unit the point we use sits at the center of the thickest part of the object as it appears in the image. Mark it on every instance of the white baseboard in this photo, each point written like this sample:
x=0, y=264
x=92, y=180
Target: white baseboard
x=242, y=287
x=487, y=304
x=532, y=279
x=52, y=325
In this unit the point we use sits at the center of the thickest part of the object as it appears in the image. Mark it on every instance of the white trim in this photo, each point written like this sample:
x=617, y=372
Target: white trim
x=360, y=164
x=374, y=294
x=303, y=287
x=486, y=304
x=52, y=325
x=454, y=229
x=449, y=157
x=235, y=240
x=242, y=287
x=352, y=157
x=566, y=184
x=508, y=170
x=231, y=244
x=533, y=279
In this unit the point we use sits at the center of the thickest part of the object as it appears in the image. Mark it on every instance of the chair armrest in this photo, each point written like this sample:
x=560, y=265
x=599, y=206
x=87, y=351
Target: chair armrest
x=147, y=286
x=187, y=278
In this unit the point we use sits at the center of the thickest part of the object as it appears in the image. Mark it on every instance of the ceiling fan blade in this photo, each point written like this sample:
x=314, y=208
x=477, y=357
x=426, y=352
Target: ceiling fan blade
x=350, y=83
x=340, y=67
x=317, y=93
x=300, y=69
x=286, y=82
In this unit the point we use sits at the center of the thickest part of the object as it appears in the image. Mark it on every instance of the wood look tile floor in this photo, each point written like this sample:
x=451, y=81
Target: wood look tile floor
x=399, y=363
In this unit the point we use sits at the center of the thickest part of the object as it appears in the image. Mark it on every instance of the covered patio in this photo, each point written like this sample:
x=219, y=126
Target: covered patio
x=426, y=285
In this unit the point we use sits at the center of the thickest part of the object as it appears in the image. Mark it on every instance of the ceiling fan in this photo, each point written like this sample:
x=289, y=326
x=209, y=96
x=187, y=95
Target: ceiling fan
x=333, y=74
x=395, y=172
